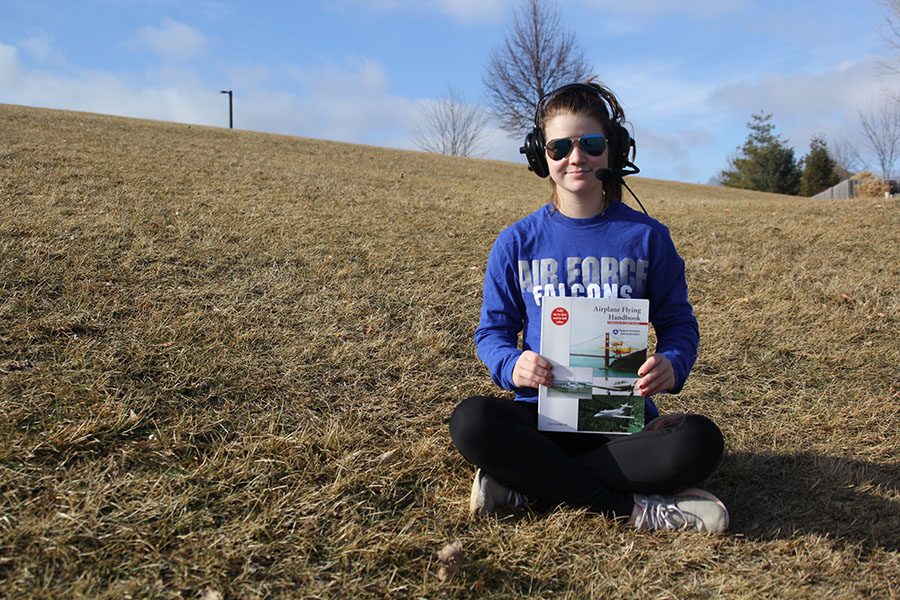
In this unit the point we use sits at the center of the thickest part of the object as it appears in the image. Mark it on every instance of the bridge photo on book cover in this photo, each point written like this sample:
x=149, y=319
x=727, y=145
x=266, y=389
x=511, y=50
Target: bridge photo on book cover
x=608, y=354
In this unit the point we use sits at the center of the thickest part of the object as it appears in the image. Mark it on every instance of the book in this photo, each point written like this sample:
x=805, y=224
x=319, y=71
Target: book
x=596, y=346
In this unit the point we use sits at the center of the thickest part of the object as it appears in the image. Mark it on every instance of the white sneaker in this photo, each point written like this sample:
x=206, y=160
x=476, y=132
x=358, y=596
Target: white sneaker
x=488, y=495
x=689, y=509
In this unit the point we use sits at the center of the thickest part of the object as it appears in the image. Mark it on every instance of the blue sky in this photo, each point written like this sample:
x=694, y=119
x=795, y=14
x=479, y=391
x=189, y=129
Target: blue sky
x=689, y=74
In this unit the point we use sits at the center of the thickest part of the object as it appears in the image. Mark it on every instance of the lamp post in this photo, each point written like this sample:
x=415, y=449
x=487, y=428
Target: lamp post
x=230, y=113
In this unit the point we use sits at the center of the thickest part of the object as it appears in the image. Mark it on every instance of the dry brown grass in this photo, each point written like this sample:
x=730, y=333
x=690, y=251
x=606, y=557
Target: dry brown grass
x=209, y=339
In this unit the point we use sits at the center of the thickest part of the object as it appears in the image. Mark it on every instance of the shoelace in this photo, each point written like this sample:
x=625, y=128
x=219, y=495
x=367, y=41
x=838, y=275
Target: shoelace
x=657, y=514
x=514, y=499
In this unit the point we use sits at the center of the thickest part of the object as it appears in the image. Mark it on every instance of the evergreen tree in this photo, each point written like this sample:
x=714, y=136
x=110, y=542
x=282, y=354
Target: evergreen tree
x=819, y=171
x=765, y=163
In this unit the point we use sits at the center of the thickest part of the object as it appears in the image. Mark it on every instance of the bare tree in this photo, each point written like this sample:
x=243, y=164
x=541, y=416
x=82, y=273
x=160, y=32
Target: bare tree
x=891, y=63
x=536, y=57
x=451, y=126
x=846, y=158
x=881, y=131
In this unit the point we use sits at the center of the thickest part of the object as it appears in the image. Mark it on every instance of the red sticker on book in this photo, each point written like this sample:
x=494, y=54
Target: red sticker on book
x=559, y=316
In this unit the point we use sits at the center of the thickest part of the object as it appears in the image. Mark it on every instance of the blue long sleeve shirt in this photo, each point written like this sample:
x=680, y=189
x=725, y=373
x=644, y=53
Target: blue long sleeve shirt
x=620, y=253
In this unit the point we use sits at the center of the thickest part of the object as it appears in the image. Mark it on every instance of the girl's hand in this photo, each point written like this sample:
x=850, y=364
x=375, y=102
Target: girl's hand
x=532, y=370
x=657, y=375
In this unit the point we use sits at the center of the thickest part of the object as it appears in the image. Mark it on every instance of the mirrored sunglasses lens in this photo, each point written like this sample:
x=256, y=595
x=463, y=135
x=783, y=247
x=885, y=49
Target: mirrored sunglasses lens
x=557, y=149
x=593, y=144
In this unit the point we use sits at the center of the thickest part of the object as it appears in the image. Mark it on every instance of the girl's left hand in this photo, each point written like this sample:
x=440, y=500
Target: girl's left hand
x=657, y=375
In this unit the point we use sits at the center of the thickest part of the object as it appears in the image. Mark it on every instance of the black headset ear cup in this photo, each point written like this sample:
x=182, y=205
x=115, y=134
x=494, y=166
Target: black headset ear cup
x=622, y=144
x=534, y=153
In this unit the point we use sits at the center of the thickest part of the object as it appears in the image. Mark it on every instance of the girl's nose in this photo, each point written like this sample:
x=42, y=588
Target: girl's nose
x=577, y=155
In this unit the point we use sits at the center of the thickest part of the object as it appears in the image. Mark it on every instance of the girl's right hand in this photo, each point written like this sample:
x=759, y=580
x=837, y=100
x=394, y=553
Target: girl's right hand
x=532, y=370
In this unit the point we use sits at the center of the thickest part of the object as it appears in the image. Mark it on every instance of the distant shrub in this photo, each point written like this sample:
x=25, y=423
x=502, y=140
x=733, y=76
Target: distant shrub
x=871, y=186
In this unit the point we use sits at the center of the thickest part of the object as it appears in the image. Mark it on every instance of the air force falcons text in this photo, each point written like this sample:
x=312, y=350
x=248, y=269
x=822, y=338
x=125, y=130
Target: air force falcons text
x=590, y=276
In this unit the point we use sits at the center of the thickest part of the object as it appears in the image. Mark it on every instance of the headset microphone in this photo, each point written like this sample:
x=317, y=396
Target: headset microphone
x=629, y=168
x=606, y=174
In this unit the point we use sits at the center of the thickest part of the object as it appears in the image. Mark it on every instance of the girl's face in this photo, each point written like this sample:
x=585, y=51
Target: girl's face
x=575, y=174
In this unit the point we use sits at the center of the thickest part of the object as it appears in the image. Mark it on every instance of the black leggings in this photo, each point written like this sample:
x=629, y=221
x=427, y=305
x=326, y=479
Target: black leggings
x=590, y=470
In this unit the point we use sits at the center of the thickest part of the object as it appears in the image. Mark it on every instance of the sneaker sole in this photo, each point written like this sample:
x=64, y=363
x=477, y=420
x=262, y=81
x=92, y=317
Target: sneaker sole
x=476, y=498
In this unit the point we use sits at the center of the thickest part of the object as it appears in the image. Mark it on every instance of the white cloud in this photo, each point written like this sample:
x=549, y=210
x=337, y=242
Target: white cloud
x=500, y=145
x=9, y=65
x=176, y=96
x=485, y=11
x=104, y=93
x=41, y=46
x=669, y=115
x=466, y=12
x=670, y=153
x=660, y=8
x=349, y=102
x=848, y=86
x=172, y=40
x=340, y=101
x=359, y=76
x=655, y=91
x=827, y=102
x=473, y=11
x=685, y=123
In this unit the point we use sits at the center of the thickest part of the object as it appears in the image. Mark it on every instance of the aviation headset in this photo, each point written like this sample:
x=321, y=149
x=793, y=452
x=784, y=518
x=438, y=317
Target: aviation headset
x=619, y=140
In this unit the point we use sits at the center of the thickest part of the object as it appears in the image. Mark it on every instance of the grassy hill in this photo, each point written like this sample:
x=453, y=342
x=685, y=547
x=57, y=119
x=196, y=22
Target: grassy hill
x=228, y=359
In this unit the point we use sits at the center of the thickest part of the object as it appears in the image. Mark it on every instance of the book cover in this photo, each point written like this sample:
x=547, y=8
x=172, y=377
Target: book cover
x=596, y=346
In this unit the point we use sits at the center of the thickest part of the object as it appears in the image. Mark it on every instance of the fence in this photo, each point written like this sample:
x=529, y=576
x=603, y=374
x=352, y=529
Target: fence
x=845, y=189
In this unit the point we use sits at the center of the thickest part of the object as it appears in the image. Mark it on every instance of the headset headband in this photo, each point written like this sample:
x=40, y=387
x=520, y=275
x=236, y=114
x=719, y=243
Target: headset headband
x=539, y=108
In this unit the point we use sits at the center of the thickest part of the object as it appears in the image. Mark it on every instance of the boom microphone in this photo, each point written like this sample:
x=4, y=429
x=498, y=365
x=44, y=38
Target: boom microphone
x=629, y=168
x=606, y=174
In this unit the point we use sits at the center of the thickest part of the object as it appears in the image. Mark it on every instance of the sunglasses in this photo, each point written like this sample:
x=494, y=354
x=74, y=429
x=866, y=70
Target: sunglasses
x=594, y=144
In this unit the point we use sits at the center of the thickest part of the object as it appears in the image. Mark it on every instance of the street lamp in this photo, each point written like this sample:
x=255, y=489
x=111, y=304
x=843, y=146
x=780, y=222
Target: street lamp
x=230, y=113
